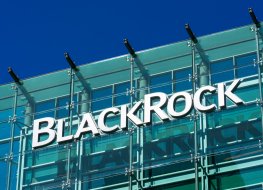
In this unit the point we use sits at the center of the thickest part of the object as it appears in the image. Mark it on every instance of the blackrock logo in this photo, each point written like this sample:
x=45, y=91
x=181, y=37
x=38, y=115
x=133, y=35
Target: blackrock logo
x=155, y=103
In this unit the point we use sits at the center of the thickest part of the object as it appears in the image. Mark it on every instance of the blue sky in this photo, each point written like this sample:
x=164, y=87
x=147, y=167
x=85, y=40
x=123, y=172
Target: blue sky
x=35, y=34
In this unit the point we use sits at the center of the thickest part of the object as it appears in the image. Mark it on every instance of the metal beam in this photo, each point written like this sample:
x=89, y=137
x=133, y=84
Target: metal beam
x=76, y=70
x=193, y=44
x=10, y=156
x=254, y=18
x=259, y=67
x=196, y=44
x=196, y=158
x=136, y=59
x=20, y=86
x=141, y=67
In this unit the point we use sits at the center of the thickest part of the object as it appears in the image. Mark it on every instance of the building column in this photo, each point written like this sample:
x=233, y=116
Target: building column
x=142, y=90
x=22, y=147
x=203, y=74
x=204, y=81
x=259, y=67
x=67, y=184
x=9, y=157
x=85, y=102
x=84, y=108
x=195, y=118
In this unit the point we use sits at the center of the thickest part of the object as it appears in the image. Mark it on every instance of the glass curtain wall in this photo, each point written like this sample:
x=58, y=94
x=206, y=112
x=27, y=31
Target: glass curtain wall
x=229, y=141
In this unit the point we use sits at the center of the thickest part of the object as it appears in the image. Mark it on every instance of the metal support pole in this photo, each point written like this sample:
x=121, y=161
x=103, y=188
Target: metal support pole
x=130, y=124
x=140, y=134
x=71, y=106
x=19, y=174
x=194, y=78
x=9, y=157
x=84, y=108
x=259, y=64
x=85, y=102
x=22, y=146
x=203, y=81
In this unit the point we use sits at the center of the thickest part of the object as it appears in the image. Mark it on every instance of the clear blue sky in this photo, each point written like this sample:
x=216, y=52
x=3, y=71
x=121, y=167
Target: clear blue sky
x=35, y=34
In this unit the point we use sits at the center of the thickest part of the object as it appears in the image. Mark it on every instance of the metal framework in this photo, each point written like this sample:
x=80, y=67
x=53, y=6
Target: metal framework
x=158, y=159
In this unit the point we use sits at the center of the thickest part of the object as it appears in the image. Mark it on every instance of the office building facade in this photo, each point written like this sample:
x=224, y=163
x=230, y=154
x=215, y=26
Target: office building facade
x=219, y=148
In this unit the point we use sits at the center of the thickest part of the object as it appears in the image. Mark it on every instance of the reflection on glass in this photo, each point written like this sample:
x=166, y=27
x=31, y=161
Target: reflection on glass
x=182, y=82
x=45, y=109
x=245, y=65
x=101, y=98
x=161, y=83
x=121, y=96
x=222, y=71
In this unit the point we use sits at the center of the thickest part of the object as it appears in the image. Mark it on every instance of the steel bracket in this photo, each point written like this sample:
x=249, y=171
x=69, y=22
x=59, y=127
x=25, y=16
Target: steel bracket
x=259, y=102
x=258, y=62
x=66, y=184
x=12, y=119
x=194, y=117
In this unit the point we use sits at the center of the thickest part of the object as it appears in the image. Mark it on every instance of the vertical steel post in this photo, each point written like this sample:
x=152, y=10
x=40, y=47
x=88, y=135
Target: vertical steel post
x=173, y=79
x=140, y=133
x=203, y=81
x=71, y=105
x=84, y=108
x=259, y=64
x=194, y=78
x=85, y=102
x=20, y=152
x=22, y=146
x=10, y=156
x=130, y=124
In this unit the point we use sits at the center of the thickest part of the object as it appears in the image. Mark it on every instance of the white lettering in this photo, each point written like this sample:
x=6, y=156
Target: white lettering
x=135, y=120
x=102, y=118
x=88, y=120
x=60, y=131
x=222, y=94
x=172, y=102
x=198, y=98
x=44, y=132
x=37, y=131
x=149, y=108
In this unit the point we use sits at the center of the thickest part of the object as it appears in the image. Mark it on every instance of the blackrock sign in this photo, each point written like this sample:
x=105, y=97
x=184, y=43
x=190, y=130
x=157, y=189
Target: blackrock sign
x=152, y=103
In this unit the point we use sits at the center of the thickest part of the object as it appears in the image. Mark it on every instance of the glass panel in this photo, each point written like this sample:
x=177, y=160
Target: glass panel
x=161, y=83
x=4, y=115
x=168, y=147
x=63, y=106
x=62, y=110
x=105, y=158
x=13, y=176
x=222, y=71
x=50, y=163
x=4, y=147
x=45, y=109
x=182, y=185
x=19, y=125
x=242, y=178
x=40, y=174
x=16, y=150
x=101, y=98
x=5, y=130
x=116, y=181
x=182, y=81
x=248, y=93
x=3, y=166
x=245, y=65
x=20, y=111
x=234, y=134
x=121, y=96
x=58, y=185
